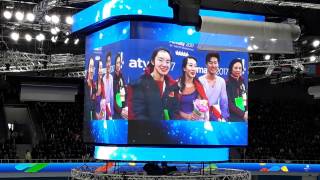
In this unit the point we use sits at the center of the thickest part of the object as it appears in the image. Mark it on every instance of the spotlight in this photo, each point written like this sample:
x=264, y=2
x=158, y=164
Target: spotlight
x=7, y=14
x=54, y=39
x=57, y=29
x=66, y=41
x=19, y=15
x=28, y=37
x=14, y=36
x=313, y=58
x=273, y=39
x=76, y=41
x=53, y=31
x=315, y=43
x=30, y=17
x=69, y=20
x=40, y=37
x=47, y=18
x=55, y=19
x=267, y=57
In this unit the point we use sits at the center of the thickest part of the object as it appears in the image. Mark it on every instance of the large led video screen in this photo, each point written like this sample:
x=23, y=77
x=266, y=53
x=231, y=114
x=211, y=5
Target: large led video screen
x=158, y=92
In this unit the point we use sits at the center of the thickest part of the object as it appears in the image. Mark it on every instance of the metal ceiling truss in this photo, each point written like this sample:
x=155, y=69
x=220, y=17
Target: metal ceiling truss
x=283, y=62
x=38, y=27
x=286, y=3
x=23, y=62
x=13, y=61
x=43, y=7
x=77, y=74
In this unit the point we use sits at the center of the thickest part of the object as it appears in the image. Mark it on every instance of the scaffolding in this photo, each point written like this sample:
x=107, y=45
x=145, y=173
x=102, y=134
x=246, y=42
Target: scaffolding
x=214, y=174
x=13, y=61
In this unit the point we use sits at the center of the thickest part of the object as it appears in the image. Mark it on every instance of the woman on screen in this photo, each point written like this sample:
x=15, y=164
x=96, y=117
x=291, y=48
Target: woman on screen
x=108, y=87
x=100, y=96
x=193, y=100
x=237, y=93
x=119, y=88
x=90, y=92
x=155, y=94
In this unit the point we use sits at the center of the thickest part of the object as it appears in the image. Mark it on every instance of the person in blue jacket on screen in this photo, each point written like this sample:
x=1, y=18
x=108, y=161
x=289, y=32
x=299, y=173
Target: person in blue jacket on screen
x=155, y=95
x=237, y=92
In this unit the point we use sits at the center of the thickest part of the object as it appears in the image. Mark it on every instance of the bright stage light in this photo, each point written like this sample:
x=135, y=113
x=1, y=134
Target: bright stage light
x=57, y=29
x=40, y=37
x=76, y=41
x=267, y=57
x=66, y=41
x=313, y=58
x=30, y=17
x=7, y=14
x=55, y=19
x=47, y=18
x=28, y=37
x=19, y=15
x=14, y=36
x=54, y=39
x=53, y=31
x=69, y=20
x=315, y=43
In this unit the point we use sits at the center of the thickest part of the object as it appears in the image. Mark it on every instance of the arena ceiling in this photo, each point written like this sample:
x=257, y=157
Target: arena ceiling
x=304, y=13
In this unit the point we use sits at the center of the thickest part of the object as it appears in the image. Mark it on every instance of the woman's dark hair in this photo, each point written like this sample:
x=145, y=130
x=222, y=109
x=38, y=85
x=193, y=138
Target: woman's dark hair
x=153, y=56
x=117, y=56
x=211, y=55
x=183, y=78
x=232, y=63
x=108, y=55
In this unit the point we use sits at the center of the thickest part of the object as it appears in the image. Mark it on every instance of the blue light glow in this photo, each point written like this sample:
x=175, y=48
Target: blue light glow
x=111, y=8
x=161, y=154
x=108, y=35
x=266, y=168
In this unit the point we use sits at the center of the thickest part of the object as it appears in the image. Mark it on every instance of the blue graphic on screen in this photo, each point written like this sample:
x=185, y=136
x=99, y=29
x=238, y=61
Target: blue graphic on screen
x=110, y=8
x=186, y=35
x=161, y=154
x=138, y=167
x=112, y=34
x=109, y=131
x=106, y=9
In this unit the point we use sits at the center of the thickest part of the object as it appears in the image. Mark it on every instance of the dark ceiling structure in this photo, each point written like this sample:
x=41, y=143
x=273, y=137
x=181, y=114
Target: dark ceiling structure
x=304, y=13
x=41, y=8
